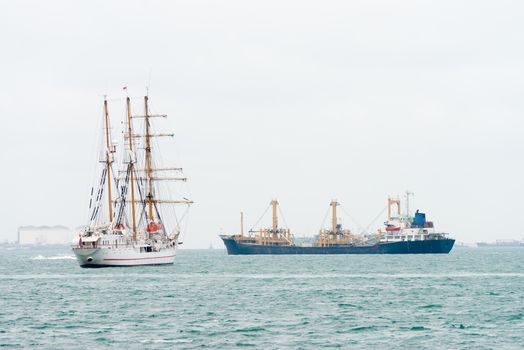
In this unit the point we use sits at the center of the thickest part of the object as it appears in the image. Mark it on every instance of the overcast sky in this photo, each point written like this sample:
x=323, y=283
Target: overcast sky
x=304, y=101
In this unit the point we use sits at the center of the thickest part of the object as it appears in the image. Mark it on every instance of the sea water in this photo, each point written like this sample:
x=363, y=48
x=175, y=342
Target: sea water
x=472, y=298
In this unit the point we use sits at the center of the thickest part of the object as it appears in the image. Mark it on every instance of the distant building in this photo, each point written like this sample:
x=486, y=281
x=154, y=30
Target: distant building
x=502, y=243
x=44, y=235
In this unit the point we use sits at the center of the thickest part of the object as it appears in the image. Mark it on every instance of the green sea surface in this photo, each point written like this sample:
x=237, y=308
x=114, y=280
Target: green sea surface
x=472, y=298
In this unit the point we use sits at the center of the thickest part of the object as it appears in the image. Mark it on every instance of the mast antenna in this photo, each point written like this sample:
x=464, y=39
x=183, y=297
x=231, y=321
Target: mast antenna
x=149, y=81
x=408, y=193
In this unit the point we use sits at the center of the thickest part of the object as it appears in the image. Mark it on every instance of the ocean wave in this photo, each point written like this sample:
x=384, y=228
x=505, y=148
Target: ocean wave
x=265, y=276
x=363, y=276
x=55, y=257
x=172, y=341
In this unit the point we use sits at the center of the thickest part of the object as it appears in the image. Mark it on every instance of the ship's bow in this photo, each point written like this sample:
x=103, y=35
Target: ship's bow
x=231, y=245
x=87, y=257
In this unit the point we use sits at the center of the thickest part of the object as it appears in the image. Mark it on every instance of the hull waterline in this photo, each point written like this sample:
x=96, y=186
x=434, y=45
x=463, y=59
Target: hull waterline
x=100, y=257
x=441, y=246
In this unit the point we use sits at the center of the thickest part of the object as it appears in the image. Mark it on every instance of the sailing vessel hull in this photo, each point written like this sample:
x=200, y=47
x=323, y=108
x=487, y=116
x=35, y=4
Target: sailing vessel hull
x=441, y=246
x=103, y=257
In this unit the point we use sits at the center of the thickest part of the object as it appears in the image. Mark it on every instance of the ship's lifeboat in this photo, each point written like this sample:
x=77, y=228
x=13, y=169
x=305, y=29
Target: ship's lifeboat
x=119, y=227
x=392, y=228
x=153, y=227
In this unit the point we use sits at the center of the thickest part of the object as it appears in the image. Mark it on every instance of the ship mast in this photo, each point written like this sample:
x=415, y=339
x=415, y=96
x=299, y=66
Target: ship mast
x=274, y=204
x=148, y=161
x=241, y=224
x=334, y=218
x=131, y=166
x=108, y=163
x=390, y=203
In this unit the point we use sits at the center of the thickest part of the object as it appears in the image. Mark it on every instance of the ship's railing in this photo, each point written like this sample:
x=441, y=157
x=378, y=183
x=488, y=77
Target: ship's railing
x=327, y=238
x=83, y=246
x=266, y=237
x=99, y=244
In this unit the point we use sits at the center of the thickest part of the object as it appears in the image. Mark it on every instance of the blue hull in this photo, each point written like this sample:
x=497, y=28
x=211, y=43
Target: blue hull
x=440, y=246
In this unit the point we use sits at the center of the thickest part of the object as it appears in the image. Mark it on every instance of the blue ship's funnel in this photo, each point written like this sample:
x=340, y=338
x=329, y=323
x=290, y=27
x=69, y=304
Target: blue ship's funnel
x=419, y=220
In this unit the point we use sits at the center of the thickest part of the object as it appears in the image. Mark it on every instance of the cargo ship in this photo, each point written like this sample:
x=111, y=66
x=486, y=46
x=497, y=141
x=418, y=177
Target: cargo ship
x=399, y=235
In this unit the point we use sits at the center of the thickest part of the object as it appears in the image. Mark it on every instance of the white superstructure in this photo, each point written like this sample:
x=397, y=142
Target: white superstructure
x=407, y=228
x=117, y=248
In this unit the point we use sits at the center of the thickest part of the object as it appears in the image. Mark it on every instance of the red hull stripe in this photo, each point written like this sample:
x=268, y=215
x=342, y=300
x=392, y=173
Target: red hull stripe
x=158, y=257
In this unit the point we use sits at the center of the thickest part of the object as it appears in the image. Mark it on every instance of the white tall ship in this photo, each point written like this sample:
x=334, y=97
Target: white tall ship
x=136, y=209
